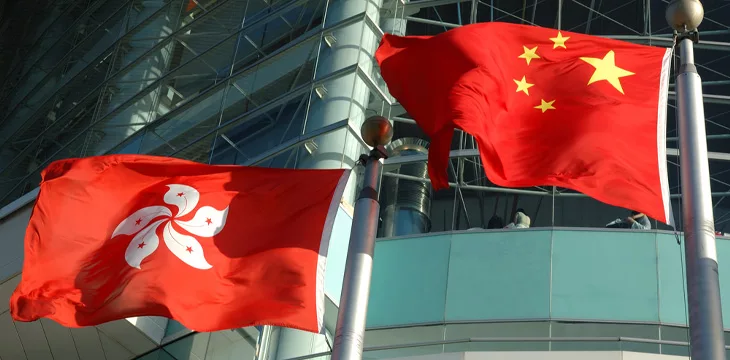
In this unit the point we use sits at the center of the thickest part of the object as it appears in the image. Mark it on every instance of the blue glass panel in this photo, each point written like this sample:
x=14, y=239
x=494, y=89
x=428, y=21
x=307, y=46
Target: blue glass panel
x=499, y=275
x=174, y=331
x=723, y=260
x=409, y=281
x=672, y=294
x=605, y=275
x=337, y=255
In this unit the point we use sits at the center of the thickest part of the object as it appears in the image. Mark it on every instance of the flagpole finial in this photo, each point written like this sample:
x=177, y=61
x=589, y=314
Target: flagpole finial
x=685, y=15
x=376, y=131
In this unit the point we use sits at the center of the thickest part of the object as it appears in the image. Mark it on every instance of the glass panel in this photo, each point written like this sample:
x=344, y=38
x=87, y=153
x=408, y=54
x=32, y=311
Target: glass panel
x=370, y=65
x=723, y=261
x=191, y=347
x=150, y=32
x=340, y=10
x=175, y=329
x=222, y=18
x=89, y=42
x=148, y=11
x=56, y=30
x=478, y=288
x=197, y=74
x=254, y=134
x=337, y=254
x=591, y=272
x=672, y=280
x=157, y=355
x=409, y=281
x=304, y=154
x=343, y=51
x=409, y=335
x=185, y=125
x=220, y=345
x=568, y=330
x=122, y=122
x=96, y=43
x=498, y=330
x=199, y=151
x=270, y=79
x=673, y=333
x=266, y=35
x=333, y=101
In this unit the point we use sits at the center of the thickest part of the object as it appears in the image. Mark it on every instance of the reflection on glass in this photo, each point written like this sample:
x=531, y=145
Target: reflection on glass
x=259, y=132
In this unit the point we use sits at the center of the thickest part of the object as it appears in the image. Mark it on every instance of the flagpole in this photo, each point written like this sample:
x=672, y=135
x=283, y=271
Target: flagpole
x=707, y=341
x=350, y=330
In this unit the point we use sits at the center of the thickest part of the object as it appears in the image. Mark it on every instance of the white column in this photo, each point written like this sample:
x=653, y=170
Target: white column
x=347, y=98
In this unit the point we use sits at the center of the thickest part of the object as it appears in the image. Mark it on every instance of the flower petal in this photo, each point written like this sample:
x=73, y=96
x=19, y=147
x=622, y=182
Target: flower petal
x=143, y=244
x=139, y=219
x=187, y=248
x=207, y=222
x=182, y=196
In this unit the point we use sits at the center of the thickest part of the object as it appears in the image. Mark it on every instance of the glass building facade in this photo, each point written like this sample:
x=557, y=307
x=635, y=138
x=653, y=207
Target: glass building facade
x=287, y=83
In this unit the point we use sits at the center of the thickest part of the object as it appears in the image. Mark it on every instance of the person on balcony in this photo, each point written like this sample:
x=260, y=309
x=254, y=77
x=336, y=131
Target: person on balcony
x=495, y=222
x=521, y=220
x=637, y=221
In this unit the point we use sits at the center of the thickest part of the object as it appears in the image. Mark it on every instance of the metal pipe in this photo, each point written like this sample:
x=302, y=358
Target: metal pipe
x=520, y=191
x=708, y=137
x=432, y=22
x=707, y=341
x=350, y=330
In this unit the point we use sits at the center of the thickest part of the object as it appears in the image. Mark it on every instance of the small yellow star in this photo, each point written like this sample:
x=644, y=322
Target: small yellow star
x=559, y=41
x=545, y=105
x=529, y=54
x=523, y=85
x=606, y=69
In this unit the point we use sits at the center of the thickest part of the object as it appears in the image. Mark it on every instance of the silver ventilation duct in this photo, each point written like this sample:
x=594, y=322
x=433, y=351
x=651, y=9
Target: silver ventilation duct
x=406, y=204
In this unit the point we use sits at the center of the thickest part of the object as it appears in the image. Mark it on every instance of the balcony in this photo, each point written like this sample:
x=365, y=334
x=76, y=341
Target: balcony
x=539, y=289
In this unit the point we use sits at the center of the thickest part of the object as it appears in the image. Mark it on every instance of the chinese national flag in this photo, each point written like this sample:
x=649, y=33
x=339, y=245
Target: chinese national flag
x=214, y=247
x=546, y=107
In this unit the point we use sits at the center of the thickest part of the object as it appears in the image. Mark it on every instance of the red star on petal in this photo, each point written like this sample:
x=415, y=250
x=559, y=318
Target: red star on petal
x=189, y=249
x=180, y=194
x=138, y=221
x=141, y=245
x=208, y=221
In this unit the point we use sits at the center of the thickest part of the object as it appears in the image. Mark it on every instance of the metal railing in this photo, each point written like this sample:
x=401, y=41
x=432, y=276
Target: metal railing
x=610, y=339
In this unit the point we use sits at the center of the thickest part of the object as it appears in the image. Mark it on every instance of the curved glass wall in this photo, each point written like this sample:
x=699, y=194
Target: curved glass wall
x=533, y=289
x=212, y=81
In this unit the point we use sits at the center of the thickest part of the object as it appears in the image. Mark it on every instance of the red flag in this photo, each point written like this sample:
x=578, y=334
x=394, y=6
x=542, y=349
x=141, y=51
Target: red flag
x=214, y=247
x=546, y=107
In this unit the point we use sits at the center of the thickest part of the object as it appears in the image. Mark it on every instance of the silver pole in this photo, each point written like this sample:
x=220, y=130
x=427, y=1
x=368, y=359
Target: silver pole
x=707, y=341
x=351, y=318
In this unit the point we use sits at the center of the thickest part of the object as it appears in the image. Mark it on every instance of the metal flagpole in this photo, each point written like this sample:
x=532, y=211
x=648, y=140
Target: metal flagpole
x=350, y=331
x=707, y=341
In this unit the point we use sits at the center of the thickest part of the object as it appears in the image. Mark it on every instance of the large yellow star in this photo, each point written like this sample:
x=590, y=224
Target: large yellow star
x=545, y=105
x=529, y=54
x=606, y=69
x=559, y=41
x=523, y=85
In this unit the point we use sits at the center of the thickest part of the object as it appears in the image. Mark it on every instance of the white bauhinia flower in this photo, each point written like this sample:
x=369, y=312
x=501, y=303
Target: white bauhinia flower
x=206, y=222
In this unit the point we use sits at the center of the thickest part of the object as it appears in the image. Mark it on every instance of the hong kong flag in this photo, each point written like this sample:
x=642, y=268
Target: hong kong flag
x=214, y=247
